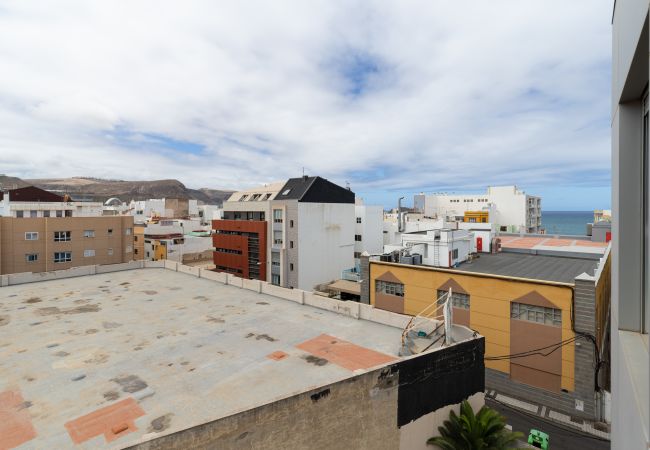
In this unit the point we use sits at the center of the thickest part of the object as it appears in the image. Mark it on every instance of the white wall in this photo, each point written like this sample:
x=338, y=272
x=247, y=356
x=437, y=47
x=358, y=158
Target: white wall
x=326, y=242
x=426, y=245
x=79, y=209
x=507, y=206
x=370, y=228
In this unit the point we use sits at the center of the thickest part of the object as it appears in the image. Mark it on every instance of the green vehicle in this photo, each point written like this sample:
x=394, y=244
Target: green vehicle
x=538, y=439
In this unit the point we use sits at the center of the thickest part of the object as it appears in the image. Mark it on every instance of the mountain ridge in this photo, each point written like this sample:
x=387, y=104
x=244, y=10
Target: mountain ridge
x=98, y=189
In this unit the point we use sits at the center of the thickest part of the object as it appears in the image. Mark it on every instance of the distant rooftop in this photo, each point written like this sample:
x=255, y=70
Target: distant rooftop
x=554, y=244
x=164, y=351
x=547, y=268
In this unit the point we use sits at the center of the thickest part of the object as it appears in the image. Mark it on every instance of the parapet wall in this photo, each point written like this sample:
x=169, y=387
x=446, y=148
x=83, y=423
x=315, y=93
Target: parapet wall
x=346, y=308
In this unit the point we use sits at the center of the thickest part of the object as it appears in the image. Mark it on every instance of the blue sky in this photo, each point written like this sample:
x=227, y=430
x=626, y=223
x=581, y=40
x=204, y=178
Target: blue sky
x=394, y=98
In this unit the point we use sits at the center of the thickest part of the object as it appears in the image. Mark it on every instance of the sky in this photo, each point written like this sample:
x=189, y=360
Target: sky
x=395, y=98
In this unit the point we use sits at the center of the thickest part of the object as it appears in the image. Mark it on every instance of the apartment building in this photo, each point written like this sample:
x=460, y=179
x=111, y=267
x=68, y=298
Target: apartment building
x=630, y=313
x=144, y=210
x=298, y=234
x=520, y=301
x=34, y=202
x=55, y=243
x=368, y=229
x=508, y=207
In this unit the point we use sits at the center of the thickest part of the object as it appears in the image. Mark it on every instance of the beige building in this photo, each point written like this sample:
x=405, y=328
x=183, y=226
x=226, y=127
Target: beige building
x=45, y=244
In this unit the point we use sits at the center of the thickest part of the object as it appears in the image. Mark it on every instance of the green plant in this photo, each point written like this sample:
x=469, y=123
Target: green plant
x=485, y=430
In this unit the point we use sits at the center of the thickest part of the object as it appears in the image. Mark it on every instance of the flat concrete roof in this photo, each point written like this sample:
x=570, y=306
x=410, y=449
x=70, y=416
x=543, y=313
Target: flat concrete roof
x=160, y=351
x=539, y=267
x=553, y=244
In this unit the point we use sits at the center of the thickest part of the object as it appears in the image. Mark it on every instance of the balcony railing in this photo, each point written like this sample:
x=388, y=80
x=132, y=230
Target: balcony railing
x=351, y=275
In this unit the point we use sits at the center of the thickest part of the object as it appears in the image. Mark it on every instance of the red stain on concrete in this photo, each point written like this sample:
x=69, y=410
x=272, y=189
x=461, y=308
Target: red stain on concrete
x=343, y=353
x=112, y=421
x=15, y=422
x=277, y=355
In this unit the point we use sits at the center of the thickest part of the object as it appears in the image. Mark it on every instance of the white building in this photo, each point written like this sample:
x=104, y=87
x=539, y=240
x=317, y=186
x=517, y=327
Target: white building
x=509, y=208
x=309, y=226
x=143, y=210
x=440, y=248
x=35, y=202
x=368, y=231
x=411, y=223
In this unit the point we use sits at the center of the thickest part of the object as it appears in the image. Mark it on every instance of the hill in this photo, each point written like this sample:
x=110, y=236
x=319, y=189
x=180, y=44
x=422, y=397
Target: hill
x=95, y=189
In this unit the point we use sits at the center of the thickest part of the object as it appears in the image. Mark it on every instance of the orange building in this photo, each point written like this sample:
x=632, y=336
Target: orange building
x=240, y=247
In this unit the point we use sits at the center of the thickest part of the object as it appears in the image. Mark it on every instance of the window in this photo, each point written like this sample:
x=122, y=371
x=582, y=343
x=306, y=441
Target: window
x=255, y=197
x=539, y=314
x=275, y=279
x=31, y=257
x=227, y=250
x=46, y=214
x=277, y=237
x=290, y=244
x=89, y=253
x=357, y=255
x=61, y=257
x=275, y=263
x=110, y=252
x=33, y=213
x=135, y=251
x=128, y=231
x=19, y=214
x=89, y=233
x=110, y=232
x=454, y=254
x=291, y=267
x=357, y=237
x=61, y=236
x=286, y=192
x=387, y=287
x=266, y=197
x=59, y=213
x=243, y=198
x=385, y=232
x=458, y=300
x=68, y=213
x=277, y=215
x=358, y=219
x=31, y=236
x=291, y=224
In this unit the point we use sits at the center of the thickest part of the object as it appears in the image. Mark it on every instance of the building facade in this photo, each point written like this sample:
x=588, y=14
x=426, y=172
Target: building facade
x=34, y=202
x=517, y=315
x=368, y=229
x=508, y=207
x=630, y=313
x=45, y=244
x=309, y=225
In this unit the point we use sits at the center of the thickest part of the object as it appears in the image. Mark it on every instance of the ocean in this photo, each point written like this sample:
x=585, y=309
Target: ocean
x=566, y=222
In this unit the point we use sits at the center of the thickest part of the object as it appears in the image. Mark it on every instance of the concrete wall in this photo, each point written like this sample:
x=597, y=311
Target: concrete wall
x=630, y=357
x=361, y=412
x=326, y=235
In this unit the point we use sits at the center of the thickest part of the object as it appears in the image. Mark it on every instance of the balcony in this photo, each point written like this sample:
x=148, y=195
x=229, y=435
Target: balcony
x=351, y=275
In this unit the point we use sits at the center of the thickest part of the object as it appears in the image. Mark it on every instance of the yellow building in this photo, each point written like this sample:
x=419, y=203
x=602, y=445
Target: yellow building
x=476, y=217
x=138, y=241
x=519, y=302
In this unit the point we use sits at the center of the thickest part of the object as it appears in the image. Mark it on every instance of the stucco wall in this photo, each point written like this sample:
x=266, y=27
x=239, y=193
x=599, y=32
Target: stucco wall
x=326, y=235
x=490, y=299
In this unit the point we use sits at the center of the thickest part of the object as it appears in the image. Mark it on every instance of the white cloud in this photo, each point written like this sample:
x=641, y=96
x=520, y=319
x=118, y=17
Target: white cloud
x=402, y=94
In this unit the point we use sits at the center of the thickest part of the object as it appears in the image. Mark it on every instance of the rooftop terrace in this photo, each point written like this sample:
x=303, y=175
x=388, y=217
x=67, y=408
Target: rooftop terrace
x=553, y=244
x=157, y=351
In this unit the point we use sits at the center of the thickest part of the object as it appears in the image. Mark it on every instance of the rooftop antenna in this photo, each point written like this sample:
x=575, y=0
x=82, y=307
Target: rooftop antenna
x=347, y=185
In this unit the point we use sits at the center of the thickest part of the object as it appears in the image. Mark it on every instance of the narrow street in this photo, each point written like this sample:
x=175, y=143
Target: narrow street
x=561, y=437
